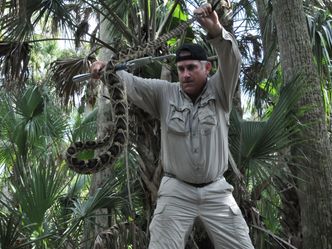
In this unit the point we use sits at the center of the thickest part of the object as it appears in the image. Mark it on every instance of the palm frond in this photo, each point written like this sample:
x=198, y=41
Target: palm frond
x=62, y=72
x=11, y=229
x=37, y=189
x=257, y=147
x=105, y=197
x=113, y=195
x=36, y=119
x=116, y=15
x=8, y=118
x=14, y=58
x=320, y=29
x=22, y=19
x=257, y=143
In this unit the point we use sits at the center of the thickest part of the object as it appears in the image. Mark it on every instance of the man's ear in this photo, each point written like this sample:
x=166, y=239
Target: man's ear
x=208, y=66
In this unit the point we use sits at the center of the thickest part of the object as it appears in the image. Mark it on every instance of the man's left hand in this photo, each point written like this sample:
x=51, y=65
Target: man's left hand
x=209, y=20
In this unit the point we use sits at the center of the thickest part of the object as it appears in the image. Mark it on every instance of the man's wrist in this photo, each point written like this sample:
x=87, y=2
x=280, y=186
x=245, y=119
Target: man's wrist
x=217, y=31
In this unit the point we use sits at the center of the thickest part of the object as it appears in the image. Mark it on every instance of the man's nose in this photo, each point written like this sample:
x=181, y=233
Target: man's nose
x=186, y=72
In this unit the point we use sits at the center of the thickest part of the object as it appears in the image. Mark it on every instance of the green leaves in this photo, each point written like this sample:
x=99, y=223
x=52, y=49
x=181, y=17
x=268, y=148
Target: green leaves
x=35, y=121
x=10, y=223
x=260, y=150
x=21, y=18
x=37, y=189
x=319, y=22
x=256, y=144
x=104, y=197
x=320, y=30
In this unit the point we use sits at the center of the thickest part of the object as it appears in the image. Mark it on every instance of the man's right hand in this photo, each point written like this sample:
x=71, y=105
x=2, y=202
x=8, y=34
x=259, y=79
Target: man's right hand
x=96, y=69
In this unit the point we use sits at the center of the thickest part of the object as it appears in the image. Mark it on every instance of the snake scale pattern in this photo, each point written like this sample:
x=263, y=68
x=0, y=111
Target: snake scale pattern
x=115, y=140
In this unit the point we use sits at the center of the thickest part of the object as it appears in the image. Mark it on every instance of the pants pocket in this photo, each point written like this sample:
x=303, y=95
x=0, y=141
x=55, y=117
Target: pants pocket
x=241, y=229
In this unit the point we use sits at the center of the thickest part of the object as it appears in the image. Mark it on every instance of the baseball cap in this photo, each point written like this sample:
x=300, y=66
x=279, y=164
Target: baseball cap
x=197, y=52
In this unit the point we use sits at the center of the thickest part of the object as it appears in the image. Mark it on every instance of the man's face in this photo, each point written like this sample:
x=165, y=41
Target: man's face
x=192, y=76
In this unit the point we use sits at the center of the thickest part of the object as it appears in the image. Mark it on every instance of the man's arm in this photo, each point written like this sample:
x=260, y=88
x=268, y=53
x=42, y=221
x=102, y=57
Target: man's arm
x=229, y=57
x=144, y=93
x=226, y=78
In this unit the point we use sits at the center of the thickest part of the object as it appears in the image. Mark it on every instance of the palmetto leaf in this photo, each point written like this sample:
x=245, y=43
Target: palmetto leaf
x=35, y=120
x=9, y=231
x=14, y=230
x=62, y=72
x=38, y=188
x=104, y=197
x=115, y=13
x=29, y=122
x=10, y=224
x=113, y=195
x=257, y=148
x=6, y=129
x=84, y=128
x=22, y=17
x=14, y=58
x=319, y=23
x=256, y=144
x=320, y=30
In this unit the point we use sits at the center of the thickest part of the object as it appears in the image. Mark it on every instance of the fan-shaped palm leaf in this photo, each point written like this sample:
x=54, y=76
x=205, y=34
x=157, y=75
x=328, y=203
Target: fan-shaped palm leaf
x=105, y=197
x=29, y=121
x=255, y=145
x=62, y=72
x=22, y=17
x=36, y=119
x=38, y=188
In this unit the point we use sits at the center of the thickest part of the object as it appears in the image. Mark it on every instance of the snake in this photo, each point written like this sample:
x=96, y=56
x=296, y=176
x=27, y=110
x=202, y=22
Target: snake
x=116, y=139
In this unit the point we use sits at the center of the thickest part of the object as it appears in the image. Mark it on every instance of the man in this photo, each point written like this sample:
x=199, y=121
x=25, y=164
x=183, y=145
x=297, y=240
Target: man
x=194, y=116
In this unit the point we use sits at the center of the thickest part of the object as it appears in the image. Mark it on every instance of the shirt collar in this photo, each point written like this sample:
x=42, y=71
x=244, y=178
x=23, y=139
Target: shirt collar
x=205, y=92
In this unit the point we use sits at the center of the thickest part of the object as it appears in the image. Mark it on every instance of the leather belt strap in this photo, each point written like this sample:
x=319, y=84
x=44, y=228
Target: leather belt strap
x=196, y=185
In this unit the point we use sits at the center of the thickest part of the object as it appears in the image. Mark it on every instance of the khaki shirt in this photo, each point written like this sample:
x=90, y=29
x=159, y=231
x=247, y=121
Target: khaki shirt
x=194, y=136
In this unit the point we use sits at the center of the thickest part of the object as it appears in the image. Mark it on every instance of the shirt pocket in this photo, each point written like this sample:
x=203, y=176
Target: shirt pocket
x=178, y=121
x=207, y=117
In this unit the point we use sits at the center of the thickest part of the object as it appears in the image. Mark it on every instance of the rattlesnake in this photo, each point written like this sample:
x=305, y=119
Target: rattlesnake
x=116, y=140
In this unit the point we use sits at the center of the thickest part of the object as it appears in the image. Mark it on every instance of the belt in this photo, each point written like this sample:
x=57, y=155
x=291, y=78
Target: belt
x=196, y=185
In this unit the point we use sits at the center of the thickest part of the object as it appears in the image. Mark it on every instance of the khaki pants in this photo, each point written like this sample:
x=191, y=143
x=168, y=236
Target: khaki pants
x=179, y=204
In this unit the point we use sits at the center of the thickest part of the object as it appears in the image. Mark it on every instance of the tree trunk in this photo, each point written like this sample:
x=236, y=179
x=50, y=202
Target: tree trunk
x=312, y=157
